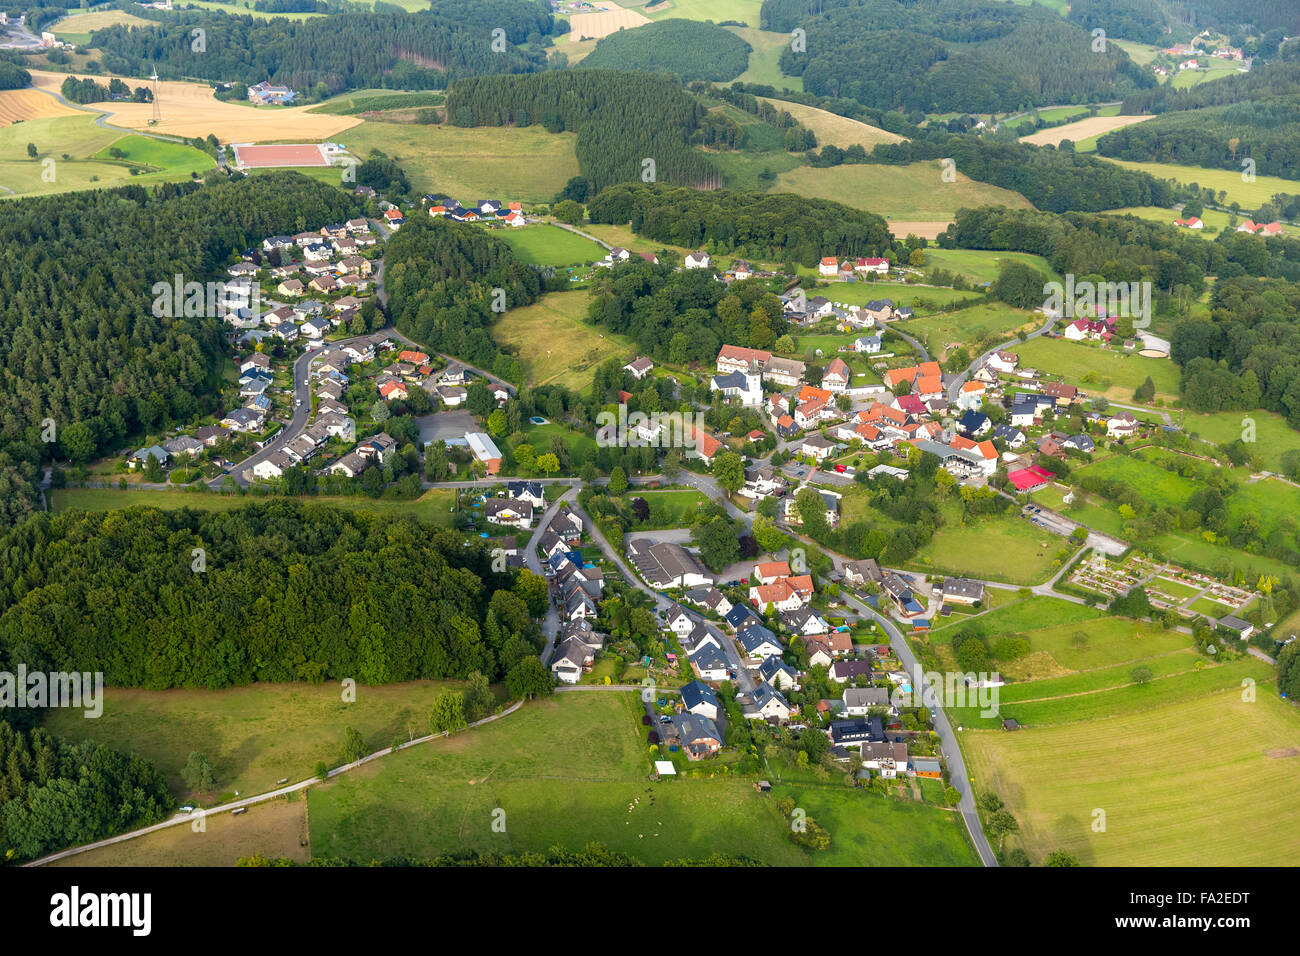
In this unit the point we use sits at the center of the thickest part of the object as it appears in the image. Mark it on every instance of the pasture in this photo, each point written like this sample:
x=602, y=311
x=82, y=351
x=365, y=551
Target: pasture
x=73, y=153
x=253, y=736
x=913, y=192
x=546, y=245
x=1107, y=372
x=526, y=164
x=589, y=783
x=978, y=328
x=1182, y=809
x=1001, y=548
x=554, y=343
x=765, y=60
x=1251, y=195
x=980, y=265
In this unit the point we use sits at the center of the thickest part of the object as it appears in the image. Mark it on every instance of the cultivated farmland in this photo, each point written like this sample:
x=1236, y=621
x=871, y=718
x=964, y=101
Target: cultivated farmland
x=190, y=109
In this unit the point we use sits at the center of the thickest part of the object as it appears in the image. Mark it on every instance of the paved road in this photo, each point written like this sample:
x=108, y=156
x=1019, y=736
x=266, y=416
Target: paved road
x=954, y=387
x=744, y=680
x=179, y=819
x=958, y=776
x=551, y=623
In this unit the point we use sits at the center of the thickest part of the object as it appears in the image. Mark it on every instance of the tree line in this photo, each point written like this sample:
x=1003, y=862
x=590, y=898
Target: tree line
x=442, y=280
x=287, y=591
x=770, y=226
x=688, y=48
x=55, y=794
x=1057, y=180
x=630, y=125
x=947, y=55
x=320, y=56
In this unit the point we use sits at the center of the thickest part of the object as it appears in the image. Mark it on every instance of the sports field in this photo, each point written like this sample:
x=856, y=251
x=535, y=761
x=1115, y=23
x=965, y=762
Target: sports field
x=515, y=163
x=280, y=155
x=555, y=345
x=190, y=109
x=914, y=192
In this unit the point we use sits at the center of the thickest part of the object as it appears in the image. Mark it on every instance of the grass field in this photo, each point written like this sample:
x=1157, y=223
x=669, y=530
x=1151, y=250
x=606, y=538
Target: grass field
x=1159, y=488
x=765, y=60
x=623, y=236
x=277, y=828
x=434, y=505
x=88, y=163
x=979, y=327
x=922, y=298
x=555, y=344
x=979, y=265
x=1171, y=792
x=1273, y=435
x=1213, y=218
x=1006, y=549
x=78, y=27
x=744, y=11
x=674, y=508
x=253, y=736
x=1091, y=367
x=526, y=164
x=1251, y=195
x=833, y=128
x=546, y=245
x=912, y=192
x=571, y=770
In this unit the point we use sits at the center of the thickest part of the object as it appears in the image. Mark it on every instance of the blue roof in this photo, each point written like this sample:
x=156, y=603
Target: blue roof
x=698, y=692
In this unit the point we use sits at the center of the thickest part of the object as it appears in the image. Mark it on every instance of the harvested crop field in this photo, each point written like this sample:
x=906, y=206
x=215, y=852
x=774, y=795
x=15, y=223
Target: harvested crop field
x=835, y=129
x=190, y=109
x=922, y=229
x=593, y=26
x=1081, y=129
x=20, y=105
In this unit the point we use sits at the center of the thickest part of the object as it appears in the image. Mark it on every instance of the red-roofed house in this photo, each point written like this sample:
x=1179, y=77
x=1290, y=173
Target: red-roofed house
x=829, y=266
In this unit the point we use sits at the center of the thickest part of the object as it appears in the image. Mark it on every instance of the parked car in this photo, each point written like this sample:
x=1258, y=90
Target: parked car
x=840, y=469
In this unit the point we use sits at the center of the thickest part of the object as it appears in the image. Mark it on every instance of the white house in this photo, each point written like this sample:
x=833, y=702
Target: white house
x=697, y=260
